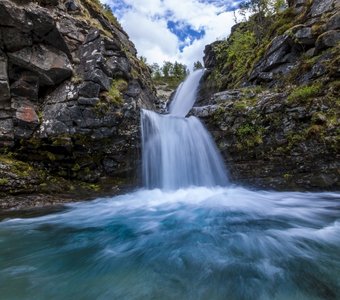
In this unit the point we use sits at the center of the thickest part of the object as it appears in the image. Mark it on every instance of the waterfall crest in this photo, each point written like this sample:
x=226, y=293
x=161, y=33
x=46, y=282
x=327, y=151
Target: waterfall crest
x=177, y=151
x=185, y=95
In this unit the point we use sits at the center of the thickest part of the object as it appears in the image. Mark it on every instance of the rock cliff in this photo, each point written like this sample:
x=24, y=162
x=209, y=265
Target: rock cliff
x=272, y=101
x=71, y=88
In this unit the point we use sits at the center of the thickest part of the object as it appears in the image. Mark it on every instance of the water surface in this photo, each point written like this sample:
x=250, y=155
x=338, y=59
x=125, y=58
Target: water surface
x=195, y=243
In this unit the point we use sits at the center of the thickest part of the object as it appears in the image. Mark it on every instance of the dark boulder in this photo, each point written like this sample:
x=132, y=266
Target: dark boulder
x=4, y=85
x=14, y=39
x=210, y=55
x=334, y=22
x=303, y=35
x=45, y=29
x=321, y=6
x=279, y=58
x=327, y=40
x=26, y=86
x=50, y=64
x=89, y=89
x=71, y=5
x=26, y=119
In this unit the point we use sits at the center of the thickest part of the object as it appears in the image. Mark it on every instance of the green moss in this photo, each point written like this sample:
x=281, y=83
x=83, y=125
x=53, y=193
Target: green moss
x=75, y=167
x=249, y=135
x=50, y=156
x=19, y=168
x=287, y=176
x=114, y=95
x=90, y=186
x=4, y=181
x=105, y=10
x=303, y=93
x=315, y=131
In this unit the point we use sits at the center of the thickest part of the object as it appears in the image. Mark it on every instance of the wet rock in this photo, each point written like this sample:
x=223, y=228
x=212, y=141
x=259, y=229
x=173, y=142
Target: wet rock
x=321, y=6
x=298, y=5
x=88, y=101
x=327, y=40
x=13, y=16
x=304, y=35
x=26, y=86
x=15, y=39
x=280, y=52
x=119, y=66
x=69, y=28
x=99, y=77
x=51, y=65
x=334, y=22
x=71, y=5
x=4, y=84
x=89, y=89
x=26, y=119
x=6, y=132
x=45, y=29
x=210, y=55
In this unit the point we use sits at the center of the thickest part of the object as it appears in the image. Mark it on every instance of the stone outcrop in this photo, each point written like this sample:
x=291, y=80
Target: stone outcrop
x=71, y=88
x=268, y=141
x=277, y=125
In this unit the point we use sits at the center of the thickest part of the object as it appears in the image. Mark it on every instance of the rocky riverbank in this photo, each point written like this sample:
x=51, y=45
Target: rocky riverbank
x=71, y=88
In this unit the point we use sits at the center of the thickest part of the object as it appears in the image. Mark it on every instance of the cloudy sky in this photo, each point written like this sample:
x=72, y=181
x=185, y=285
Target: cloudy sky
x=174, y=29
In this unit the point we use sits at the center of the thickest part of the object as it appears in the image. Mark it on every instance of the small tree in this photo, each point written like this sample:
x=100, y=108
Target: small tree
x=143, y=59
x=156, y=71
x=168, y=69
x=198, y=65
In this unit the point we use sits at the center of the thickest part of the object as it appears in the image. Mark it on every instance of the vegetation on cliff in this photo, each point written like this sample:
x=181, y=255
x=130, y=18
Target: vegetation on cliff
x=277, y=78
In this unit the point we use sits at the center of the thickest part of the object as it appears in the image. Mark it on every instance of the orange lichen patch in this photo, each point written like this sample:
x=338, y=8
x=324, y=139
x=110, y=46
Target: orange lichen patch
x=26, y=113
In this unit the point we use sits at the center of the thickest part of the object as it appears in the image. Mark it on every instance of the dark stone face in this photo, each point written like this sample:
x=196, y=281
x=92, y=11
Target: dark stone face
x=58, y=92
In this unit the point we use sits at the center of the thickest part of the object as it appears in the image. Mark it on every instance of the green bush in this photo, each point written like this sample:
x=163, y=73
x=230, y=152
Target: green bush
x=303, y=93
x=115, y=93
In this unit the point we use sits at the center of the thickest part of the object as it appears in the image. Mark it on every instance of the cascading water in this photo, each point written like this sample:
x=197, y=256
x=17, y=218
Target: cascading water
x=185, y=95
x=177, y=151
x=201, y=243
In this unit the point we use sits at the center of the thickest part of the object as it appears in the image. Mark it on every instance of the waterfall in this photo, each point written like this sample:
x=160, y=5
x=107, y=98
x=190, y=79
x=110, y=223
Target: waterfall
x=177, y=151
x=185, y=95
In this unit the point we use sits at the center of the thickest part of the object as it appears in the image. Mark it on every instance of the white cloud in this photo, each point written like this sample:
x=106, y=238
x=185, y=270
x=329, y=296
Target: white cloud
x=146, y=24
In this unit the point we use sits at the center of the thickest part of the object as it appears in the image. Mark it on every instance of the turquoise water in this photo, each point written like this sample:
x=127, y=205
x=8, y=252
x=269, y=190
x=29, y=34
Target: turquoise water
x=196, y=243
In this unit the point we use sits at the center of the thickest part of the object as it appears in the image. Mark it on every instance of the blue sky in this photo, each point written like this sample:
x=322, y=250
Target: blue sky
x=174, y=29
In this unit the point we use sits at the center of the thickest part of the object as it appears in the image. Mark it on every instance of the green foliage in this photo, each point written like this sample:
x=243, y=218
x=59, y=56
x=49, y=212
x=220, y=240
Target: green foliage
x=169, y=73
x=262, y=7
x=303, y=93
x=114, y=95
x=105, y=9
x=4, y=181
x=249, y=135
x=198, y=65
x=246, y=129
x=240, y=53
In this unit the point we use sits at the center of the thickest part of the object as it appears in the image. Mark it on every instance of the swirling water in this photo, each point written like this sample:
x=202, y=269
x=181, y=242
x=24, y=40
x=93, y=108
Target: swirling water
x=195, y=243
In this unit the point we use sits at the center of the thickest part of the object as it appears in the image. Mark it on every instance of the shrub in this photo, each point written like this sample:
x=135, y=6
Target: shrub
x=303, y=93
x=115, y=93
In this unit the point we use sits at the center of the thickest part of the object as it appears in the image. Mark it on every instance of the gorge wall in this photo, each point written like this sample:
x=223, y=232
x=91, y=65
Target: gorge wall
x=71, y=88
x=271, y=100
